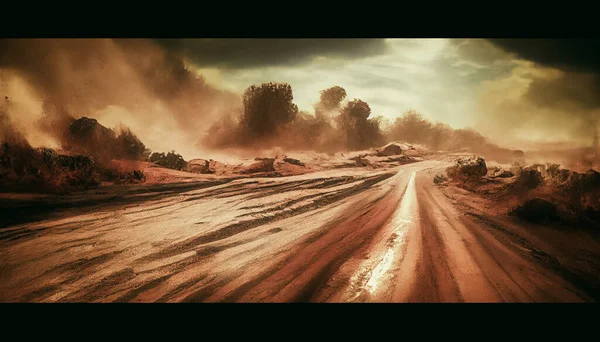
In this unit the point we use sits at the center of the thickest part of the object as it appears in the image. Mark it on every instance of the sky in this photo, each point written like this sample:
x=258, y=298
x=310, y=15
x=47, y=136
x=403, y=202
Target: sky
x=509, y=90
x=520, y=93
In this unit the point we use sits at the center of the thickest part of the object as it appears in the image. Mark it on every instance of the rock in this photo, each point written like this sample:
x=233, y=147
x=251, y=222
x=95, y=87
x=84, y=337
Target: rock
x=197, y=166
x=391, y=149
x=361, y=161
x=293, y=161
x=591, y=179
x=537, y=210
x=529, y=178
x=439, y=179
x=471, y=167
x=401, y=159
x=501, y=173
x=216, y=166
x=516, y=170
x=262, y=165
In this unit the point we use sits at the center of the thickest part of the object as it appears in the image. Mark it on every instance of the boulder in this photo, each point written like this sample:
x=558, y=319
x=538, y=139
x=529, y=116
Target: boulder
x=197, y=166
x=471, y=167
x=537, y=210
x=361, y=161
x=501, y=173
x=293, y=161
x=262, y=165
x=529, y=178
x=391, y=149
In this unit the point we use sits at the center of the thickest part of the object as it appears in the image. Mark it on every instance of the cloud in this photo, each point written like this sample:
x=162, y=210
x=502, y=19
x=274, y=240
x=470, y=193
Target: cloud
x=527, y=89
x=577, y=87
x=575, y=55
x=255, y=53
x=128, y=81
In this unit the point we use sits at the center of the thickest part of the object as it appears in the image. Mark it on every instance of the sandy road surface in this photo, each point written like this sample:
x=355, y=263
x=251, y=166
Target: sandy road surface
x=332, y=236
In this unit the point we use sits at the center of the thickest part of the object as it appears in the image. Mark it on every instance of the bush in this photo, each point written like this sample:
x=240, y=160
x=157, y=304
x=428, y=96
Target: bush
x=170, y=160
x=139, y=175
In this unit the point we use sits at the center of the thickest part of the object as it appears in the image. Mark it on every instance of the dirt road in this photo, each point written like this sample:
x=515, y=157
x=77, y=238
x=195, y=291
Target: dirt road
x=351, y=235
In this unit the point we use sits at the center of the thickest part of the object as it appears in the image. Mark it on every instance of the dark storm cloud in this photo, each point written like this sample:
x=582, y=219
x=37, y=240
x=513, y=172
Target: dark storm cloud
x=572, y=91
x=575, y=55
x=252, y=53
x=578, y=58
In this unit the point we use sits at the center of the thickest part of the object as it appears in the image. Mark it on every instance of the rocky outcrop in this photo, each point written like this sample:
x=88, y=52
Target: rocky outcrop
x=293, y=161
x=529, y=178
x=361, y=161
x=391, y=149
x=260, y=165
x=501, y=173
x=197, y=166
x=473, y=167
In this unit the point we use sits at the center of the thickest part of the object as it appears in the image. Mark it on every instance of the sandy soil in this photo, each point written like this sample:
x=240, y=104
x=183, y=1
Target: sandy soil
x=384, y=234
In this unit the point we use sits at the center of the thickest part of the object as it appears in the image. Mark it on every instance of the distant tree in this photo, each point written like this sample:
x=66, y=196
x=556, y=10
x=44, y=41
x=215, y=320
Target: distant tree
x=266, y=107
x=468, y=139
x=332, y=97
x=358, y=109
x=441, y=136
x=359, y=131
x=411, y=127
x=129, y=146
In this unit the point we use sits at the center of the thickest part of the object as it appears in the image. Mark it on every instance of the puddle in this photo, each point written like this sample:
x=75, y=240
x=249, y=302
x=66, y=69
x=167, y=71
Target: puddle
x=370, y=276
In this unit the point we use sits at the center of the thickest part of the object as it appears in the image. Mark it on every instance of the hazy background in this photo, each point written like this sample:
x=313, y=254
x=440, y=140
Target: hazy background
x=522, y=94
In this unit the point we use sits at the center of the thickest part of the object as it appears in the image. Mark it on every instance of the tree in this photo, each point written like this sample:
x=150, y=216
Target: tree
x=332, y=97
x=467, y=138
x=129, y=146
x=266, y=107
x=358, y=109
x=411, y=127
x=441, y=136
x=358, y=130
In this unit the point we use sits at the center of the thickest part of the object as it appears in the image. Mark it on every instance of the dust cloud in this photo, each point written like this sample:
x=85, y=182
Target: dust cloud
x=135, y=83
